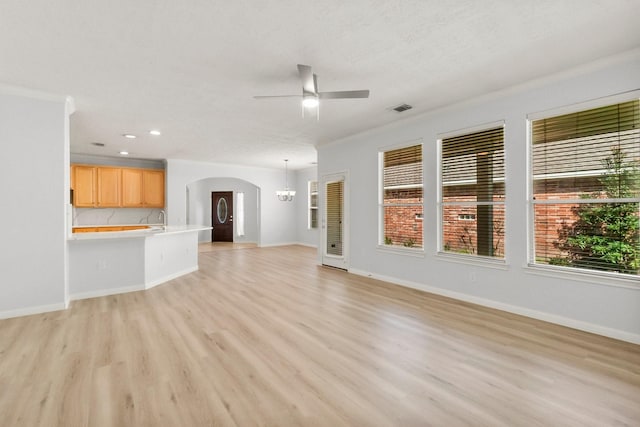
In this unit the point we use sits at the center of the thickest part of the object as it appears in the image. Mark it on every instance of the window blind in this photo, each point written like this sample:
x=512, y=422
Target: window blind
x=401, y=211
x=473, y=193
x=570, y=151
x=586, y=189
x=473, y=159
x=335, y=200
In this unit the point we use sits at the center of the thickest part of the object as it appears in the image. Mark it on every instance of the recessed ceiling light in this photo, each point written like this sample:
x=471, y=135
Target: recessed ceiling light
x=128, y=135
x=124, y=153
x=155, y=132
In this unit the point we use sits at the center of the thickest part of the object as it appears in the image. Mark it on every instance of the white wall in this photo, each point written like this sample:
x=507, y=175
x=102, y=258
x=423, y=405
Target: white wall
x=305, y=236
x=589, y=304
x=35, y=192
x=199, y=206
x=277, y=221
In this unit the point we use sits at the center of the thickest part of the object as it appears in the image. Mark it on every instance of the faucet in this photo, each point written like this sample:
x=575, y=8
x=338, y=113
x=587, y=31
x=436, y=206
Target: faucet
x=163, y=215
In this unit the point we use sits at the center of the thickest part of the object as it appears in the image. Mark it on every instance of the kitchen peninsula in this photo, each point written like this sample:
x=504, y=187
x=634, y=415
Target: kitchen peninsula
x=112, y=262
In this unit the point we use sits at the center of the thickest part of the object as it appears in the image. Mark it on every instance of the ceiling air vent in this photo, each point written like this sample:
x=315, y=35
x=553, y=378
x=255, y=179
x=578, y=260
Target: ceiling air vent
x=98, y=144
x=402, y=107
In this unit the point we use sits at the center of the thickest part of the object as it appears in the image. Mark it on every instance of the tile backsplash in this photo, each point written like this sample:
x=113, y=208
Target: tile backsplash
x=116, y=216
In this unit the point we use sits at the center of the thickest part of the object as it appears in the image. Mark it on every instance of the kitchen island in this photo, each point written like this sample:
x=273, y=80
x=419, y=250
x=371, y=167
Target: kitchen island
x=112, y=262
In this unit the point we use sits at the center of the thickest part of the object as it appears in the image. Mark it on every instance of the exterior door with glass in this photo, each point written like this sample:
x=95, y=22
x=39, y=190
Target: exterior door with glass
x=222, y=216
x=334, y=226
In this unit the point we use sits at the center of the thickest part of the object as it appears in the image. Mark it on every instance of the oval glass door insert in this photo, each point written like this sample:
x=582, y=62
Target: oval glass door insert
x=222, y=210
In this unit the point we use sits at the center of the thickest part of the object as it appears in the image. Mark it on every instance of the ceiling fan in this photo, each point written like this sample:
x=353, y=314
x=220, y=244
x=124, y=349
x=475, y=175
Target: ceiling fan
x=311, y=96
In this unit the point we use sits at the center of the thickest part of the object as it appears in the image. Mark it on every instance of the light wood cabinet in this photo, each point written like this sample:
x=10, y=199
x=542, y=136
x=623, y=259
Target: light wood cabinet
x=109, y=228
x=85, y=229
x=83, y=183
x=114, y=187
x=132, y=196
x=153, y=185
x=109, y=187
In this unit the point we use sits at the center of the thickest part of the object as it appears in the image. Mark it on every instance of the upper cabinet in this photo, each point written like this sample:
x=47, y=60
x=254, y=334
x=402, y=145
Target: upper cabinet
x=84, y=184
x=153, y=188
x=132, y=188
x=106, y=186
x=109, y=187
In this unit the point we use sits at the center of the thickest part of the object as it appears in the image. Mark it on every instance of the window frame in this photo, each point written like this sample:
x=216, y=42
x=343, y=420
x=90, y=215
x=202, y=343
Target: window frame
x=472, y=259
x=310, y=206
x=574, y=273
x=240, y=214
x=412, y=251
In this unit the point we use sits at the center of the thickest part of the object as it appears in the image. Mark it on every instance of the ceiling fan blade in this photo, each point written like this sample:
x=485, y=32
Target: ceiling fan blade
x=277, y=96
x=344, y=94
x=306, y=77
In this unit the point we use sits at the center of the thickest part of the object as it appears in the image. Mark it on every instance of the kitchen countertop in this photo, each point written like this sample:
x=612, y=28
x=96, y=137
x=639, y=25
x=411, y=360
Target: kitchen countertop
x=153, y=231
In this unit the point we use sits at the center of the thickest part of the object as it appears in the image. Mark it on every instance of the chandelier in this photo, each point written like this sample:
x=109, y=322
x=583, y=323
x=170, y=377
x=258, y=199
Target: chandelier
x=286, y=195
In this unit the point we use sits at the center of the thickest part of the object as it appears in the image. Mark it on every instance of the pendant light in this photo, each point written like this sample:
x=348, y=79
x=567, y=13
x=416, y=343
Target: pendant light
x=286, y=195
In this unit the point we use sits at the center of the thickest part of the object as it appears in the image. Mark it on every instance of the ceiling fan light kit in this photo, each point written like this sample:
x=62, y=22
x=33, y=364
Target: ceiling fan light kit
x=311, y=96
x=310, y=101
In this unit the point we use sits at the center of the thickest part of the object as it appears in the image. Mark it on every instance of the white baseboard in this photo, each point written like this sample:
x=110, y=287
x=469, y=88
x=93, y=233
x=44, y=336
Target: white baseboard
x=271, y=245
x=523, y=311
x=307, y=245
x=105, y=292
x=27, y=311
x=164, y=279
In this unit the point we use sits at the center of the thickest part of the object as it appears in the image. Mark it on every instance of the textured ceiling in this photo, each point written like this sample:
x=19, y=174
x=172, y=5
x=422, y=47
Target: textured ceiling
x=191, y=68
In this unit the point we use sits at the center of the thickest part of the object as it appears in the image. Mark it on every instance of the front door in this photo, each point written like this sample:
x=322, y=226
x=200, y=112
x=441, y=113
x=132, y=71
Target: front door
x=334, y=237
x=222, y=216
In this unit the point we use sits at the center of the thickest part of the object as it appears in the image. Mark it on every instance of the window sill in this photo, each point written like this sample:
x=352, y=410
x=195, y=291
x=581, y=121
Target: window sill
x=499, y=264
x=582, y=275
x=414, y=252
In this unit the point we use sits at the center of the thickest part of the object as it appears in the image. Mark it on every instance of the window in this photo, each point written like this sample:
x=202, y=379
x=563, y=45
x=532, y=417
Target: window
x=312, y=203
x=472, y=193
x=401, y=197
x=586, y=189
x=240, y=214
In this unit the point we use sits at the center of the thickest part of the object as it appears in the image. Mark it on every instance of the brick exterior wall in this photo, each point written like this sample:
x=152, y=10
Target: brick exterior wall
x=460, y=233
x=403, y=224
x=551, y=219
x=460, y=222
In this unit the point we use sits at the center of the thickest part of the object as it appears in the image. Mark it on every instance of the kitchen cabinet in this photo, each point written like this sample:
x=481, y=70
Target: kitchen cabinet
x=153, y=185
x=109, y=187
x=106, y=228
x=132, y=182
x=85, y=229
x=117, y=187
x=83, y=183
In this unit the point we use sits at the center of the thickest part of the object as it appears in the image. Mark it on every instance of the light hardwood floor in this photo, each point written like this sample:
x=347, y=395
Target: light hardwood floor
x=266, y=337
